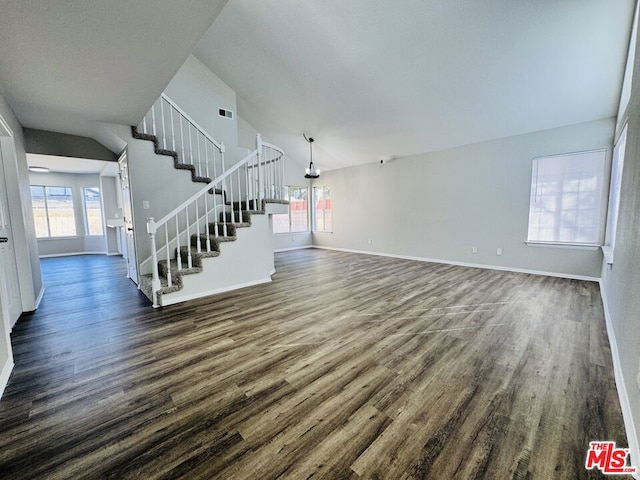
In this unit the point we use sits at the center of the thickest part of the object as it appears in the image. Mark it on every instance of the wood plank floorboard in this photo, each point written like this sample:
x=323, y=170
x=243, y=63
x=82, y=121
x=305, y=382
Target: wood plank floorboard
x=344, y=367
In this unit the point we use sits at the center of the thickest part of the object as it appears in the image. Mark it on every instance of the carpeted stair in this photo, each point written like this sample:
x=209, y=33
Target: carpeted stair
x=224, y=230
x=196, y=258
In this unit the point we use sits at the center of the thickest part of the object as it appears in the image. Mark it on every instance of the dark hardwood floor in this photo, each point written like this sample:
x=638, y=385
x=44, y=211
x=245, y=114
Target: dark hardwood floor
x=345, y=366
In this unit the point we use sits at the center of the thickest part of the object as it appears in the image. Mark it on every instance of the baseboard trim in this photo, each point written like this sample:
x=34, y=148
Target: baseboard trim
x=6, y=373
x=465, y=264
x=279, y=250
x=71, y=254
x=39, y=299
x=623, y=396
x=176, y=298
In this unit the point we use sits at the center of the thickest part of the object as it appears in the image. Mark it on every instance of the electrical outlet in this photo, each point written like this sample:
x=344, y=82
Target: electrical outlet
x=474, y=249
x=498, y=251
x=145, y=204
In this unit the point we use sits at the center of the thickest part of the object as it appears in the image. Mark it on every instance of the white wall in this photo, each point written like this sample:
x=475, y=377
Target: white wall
x=439, y=205
x=621, y=281
x=200, y=93
x=81, y=243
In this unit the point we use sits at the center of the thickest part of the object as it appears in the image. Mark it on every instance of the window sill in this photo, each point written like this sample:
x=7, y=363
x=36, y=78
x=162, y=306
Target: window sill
x=607, y=251
x=291, y=233
x=57, y=238
x=324, y=232
x=574, y=246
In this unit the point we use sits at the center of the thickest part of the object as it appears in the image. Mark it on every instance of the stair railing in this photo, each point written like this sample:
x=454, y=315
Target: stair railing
x=246, y=186
x=178, y=132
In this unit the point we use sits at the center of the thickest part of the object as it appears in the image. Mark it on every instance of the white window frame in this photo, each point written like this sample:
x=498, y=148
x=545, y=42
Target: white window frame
x=615, y=184
x=315, y=201
x=46, y=210
x=537, y=186
x=86, y=214
x=288, y=189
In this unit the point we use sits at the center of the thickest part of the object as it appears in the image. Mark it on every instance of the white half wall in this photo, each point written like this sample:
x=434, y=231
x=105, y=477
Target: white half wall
x=439, y=205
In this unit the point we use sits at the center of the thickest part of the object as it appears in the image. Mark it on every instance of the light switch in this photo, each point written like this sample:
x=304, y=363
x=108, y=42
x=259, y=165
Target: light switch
x=145, y=204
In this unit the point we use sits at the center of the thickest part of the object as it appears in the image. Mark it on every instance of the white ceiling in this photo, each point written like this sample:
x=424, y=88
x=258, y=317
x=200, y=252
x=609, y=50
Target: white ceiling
x=373, y=79
x=58, y=164
x=67, y=64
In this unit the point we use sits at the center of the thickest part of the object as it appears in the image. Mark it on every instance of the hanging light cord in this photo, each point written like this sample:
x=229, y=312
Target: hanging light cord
x=310, y=140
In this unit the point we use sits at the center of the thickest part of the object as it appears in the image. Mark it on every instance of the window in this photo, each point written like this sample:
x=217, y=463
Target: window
x=617, y=163
x=566, y=198
x=92, y=211
x=322, y=209
x=297, y=220
x=53, y=211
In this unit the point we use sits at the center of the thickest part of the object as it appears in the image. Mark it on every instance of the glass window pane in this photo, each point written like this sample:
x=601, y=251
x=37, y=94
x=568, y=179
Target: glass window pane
x=39, y=211
x=93, y=210
x=318, y=198
x=62, y=220
x=298, y=209
x=566, y=197
x=327, y=209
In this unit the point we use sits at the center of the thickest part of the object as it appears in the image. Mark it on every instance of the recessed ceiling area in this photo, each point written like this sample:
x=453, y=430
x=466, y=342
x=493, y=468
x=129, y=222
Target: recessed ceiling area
x=372, y=79
x=81, y=166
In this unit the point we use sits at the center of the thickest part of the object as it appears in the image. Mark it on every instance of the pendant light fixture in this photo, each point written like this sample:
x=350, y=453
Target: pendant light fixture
x=310, y=172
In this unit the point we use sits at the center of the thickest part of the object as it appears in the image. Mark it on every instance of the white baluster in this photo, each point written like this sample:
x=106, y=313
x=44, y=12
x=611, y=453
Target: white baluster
x=199, y=159
x=239, y=197
x=153, y=120
x=178, y=254
x=164, y=129
x=189, y=264
x=183, y=159
x=166, y=234
x=215, y=212
x=206, y=159
x=259, y=156
x=190, y=145
x=155, y=276
x=206, y=220
x=173, y=133
x=246, y=184
x=198, y=240
x=224, y=208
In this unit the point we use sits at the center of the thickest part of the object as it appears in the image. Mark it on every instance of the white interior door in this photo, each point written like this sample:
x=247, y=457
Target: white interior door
x=9, y=287
x=129, y=248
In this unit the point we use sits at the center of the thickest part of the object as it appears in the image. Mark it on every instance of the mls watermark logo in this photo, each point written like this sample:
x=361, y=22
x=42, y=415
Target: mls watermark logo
x=608, y=459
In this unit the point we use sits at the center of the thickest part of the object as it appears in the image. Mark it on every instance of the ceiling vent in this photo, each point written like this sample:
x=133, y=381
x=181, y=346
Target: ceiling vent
x=225, y=113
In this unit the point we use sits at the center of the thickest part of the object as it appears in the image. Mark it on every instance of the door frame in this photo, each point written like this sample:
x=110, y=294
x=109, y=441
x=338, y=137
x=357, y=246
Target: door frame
x=8, y=155
x=130, y=247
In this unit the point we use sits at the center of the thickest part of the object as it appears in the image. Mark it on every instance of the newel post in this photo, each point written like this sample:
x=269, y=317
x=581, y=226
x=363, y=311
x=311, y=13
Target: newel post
x=155, y=278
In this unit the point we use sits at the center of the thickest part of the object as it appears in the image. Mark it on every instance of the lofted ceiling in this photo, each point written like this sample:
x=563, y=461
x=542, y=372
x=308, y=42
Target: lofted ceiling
x=67, y=64
x=373, y=79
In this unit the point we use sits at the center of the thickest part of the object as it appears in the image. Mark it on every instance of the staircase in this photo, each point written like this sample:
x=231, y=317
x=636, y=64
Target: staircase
x=186, y=243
